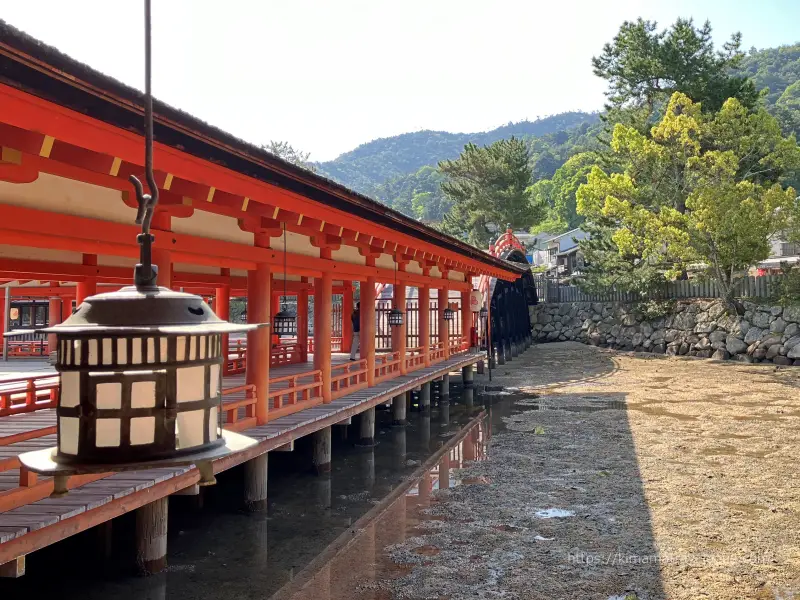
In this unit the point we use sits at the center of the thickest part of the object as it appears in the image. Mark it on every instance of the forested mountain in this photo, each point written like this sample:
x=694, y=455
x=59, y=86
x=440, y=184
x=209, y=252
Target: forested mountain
x=778, y=71
x=401, y=171
x=373, y=164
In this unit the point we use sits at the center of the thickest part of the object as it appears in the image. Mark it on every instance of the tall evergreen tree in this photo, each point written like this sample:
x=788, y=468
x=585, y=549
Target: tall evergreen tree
x=644, y=67
x=488, y=187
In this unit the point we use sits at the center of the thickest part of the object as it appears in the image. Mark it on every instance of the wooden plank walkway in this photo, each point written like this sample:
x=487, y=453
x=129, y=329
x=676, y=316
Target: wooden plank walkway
x=38, y=524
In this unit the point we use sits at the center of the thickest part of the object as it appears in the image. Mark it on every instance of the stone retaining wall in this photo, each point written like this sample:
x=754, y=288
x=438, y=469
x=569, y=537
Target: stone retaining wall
x=701, y=328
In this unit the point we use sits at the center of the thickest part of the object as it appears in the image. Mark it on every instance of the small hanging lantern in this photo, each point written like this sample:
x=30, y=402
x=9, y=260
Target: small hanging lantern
x=483, y=313
x=449, y=314
x=396, y=315
x=140, y=369
x=284, y=323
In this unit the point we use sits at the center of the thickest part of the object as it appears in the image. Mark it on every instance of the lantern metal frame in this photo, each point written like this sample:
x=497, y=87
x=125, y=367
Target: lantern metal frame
x=284, y=322
x=449, y=314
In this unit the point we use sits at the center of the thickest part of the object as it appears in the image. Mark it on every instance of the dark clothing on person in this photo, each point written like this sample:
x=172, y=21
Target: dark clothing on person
x=356, y=320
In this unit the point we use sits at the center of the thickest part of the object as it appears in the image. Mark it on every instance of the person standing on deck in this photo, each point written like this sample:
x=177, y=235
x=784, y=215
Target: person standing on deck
x=355, y=319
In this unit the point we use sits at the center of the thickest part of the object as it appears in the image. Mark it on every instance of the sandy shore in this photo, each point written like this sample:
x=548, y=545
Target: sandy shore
x=626, y=477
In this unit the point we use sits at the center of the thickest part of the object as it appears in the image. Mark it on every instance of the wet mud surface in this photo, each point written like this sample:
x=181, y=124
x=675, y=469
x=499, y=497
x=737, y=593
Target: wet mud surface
x=617, y=476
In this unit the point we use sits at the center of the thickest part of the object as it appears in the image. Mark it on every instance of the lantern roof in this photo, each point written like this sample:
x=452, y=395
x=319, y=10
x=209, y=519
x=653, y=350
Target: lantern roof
x=154, y=310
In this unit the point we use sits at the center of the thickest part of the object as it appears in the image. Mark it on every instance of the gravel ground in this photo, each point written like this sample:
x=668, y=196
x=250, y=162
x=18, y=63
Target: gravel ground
x=622, y=476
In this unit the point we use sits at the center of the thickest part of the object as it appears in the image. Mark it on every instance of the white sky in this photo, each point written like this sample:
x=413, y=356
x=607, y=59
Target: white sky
x=329, y=75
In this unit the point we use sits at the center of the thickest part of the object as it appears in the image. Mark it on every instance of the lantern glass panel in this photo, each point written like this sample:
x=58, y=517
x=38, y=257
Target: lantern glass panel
x=190, y=384
x=151, y=350
x=213, y=381
x=69, y=428
x=212, y=423
x=202, y=343
x=180, y=349
x=107, y=433
x=76, y=352
x=190, y=429
x=143, y=394
x=108, y=395
x=136, y=352
x=70, y=389
x=122, y=351
x=93, y=354
x=107, y=352
x=143, y=430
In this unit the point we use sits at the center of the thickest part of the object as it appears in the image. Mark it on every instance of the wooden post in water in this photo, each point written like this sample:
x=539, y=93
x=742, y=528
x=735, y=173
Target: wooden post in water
x=399, y=411
x=255, y=483
x=321, y=458
x=151, y=536
x=366, y=427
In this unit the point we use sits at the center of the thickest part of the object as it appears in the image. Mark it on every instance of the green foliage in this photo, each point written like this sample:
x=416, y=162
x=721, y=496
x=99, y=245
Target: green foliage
x=290, y=154
x=488, y=187
x=556, y=196
x=649, y=310
x=702, y=189
x=786, y=291
x=417, y=195
x=644, y=67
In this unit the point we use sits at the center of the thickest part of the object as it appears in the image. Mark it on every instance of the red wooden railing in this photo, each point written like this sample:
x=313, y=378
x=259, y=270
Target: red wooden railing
x=27, y=393
x=459, y=344
x=415, y=359
x=387, y=366
x=288, y=394
x=437, y=352
x=348, y=377
x=243, y=396
x=285, y=354
x=24, y=348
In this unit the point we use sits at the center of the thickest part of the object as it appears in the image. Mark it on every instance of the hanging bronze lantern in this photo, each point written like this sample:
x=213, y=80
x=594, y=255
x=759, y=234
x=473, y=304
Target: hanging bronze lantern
x=449, y=314
x=396, y=316
x=141, y=370
x=284, y=323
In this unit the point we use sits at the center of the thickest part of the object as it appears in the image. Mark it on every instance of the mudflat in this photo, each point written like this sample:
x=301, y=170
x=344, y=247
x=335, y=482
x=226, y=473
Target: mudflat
x=621, y=476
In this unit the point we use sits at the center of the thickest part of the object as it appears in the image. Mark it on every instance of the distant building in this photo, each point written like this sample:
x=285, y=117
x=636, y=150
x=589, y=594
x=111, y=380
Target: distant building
x=781, y=253
x=560, y=254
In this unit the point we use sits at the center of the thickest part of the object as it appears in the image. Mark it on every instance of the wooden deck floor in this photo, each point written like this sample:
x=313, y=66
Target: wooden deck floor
x=38, y=524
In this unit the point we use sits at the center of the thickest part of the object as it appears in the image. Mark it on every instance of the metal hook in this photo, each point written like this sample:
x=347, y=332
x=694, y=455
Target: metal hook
x=145, y=273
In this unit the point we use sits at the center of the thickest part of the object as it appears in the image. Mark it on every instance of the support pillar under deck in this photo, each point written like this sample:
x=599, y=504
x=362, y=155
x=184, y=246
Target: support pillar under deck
x=366, y=427
x=151, y=536
x=321, y=459
x=399, y=405
x=255, y=483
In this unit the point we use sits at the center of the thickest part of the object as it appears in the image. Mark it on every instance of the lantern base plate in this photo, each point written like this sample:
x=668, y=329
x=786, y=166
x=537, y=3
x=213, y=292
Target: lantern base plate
x=42, y=463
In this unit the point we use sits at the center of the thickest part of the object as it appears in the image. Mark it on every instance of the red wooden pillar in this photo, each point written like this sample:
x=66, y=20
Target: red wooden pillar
x=66, y=307
x=302, y=320
x=368, y=327
x=222, y=306
x=87, y=287
x=425, y=322
x=466, y=315
x=323, y=307
x=162, y=256
x=444, y=325
x=54, y=317
x=275, y=306
x=258, y=346
x=347, y=314
x=399, y=333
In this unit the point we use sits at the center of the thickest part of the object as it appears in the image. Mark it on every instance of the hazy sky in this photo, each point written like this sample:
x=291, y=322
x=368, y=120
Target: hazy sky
x=329, y=75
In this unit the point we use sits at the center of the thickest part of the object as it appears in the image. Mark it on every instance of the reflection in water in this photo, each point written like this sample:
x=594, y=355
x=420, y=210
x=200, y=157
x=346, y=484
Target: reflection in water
x=224, y=553
x=347, y=567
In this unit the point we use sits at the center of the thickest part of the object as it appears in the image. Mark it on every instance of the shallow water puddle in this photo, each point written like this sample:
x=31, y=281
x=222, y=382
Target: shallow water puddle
x=554, y=513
